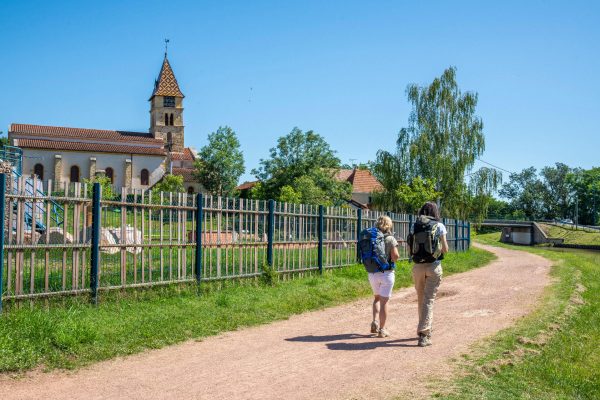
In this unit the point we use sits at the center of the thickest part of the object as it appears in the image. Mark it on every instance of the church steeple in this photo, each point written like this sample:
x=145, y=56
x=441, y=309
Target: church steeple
x=166, y=109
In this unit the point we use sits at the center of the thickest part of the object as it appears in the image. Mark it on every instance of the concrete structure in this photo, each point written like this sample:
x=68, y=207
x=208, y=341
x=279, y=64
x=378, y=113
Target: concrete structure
x=135, y=160
x=521, y=232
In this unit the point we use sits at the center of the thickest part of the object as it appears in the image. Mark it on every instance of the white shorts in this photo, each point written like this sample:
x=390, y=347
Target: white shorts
x=382, y=283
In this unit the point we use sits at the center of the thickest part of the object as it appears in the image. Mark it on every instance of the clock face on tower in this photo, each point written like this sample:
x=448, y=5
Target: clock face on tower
x=169, y=101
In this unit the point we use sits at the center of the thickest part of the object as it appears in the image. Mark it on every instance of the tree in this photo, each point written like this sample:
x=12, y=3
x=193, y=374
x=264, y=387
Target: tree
x=221, y=162
x=3, y=140
x=558, y=190
x=407, y=197
x=105, y=185
x=526, y=193
x=585, y=186
x=443, y=140
x=305, y=163
x=170, y=183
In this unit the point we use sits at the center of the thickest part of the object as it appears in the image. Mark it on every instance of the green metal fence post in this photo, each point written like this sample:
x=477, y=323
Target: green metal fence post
x=199, y=218
x=358, y=230
x=468, y=235
x=456, y=242
x=3, y=219
x=270, y=232
x=320, y=227
x=95, y=250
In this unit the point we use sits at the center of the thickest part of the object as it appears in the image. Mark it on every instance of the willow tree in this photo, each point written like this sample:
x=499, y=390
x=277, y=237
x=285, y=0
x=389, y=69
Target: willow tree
x=443, y=140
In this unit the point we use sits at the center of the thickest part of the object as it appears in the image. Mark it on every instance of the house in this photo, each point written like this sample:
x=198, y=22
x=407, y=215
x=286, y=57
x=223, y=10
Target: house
x=363, y=185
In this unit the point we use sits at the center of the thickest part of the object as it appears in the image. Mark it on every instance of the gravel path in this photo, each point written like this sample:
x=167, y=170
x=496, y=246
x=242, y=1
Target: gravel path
x=324, y=354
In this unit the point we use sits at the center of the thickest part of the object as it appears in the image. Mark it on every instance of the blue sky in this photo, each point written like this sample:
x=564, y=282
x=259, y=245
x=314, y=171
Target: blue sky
x=339, y=68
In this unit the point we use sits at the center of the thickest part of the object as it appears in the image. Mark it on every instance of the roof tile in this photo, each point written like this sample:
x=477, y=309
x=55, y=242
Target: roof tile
x=166, y=84
x=86, y=146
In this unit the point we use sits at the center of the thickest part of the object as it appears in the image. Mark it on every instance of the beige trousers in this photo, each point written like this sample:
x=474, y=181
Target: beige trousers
x=427, y=279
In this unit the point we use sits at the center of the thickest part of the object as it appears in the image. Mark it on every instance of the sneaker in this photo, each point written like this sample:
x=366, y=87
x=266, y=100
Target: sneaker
x=374, y=327
x=383, y=333
x=424, y=340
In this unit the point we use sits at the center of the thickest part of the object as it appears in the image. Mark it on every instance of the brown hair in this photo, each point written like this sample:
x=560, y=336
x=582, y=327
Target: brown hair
x=430, y=209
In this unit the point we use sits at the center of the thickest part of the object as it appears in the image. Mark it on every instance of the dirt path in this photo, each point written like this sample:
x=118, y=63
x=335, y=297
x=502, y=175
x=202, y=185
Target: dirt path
x=318, y=355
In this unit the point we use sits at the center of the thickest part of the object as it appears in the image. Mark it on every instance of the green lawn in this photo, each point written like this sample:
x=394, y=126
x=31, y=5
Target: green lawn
x=553, y=353
x=572, y=235
x=69, y=332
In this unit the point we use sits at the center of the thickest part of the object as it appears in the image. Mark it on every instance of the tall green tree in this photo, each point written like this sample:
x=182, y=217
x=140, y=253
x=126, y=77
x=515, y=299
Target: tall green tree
x=443, y=140
x=526, y=193
x=558, y=197
x=585, y=186
x=305, y=163
x=221, y=162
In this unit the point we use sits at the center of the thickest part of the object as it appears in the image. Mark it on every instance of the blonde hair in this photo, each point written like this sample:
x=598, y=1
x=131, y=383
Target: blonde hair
x=384, y=224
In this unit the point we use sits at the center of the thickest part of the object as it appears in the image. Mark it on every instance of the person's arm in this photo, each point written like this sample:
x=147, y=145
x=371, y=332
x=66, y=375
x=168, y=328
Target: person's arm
x=395, y=255
x=444, y=244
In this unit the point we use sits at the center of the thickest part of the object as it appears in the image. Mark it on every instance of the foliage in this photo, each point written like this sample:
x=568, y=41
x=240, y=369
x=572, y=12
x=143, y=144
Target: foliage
x=525, y=192
x=443, y=140
x=585, y=186
x=3, y=139
x=406, y=197
x=302, y=167
x=105, y=185
x=169, y=183
x=220, y=163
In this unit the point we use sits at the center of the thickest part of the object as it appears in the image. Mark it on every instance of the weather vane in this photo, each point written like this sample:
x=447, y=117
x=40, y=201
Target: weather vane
x=166, y=46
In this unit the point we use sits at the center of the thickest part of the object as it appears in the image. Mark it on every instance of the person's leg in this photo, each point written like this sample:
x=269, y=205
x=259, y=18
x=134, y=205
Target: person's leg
x=419, y=281
x=383, y=311
x=376, y=308
x=432, y=283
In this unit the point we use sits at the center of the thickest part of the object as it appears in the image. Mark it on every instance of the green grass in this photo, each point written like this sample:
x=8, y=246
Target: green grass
x=572, y=235
x=68, y=332
x=554, y=353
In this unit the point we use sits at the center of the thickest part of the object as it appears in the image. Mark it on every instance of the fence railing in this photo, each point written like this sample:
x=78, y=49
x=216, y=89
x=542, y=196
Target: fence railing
x=144, y=238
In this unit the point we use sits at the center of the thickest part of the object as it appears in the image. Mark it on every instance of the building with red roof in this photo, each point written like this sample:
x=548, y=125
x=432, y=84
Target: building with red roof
x=135, y=160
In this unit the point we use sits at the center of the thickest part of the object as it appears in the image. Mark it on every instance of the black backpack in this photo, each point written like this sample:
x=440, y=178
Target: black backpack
x=424, y=241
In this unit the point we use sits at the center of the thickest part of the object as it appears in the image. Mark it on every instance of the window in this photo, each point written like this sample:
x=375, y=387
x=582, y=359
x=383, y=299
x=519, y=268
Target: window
x=38, y=170
x=166, y=119
x=171, y=120
x=169, y=101
x=191, y=190
x=74, y=173
x=110, y=174
x=144, y=177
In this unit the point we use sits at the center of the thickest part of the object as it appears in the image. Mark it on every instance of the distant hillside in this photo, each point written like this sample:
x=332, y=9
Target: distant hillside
x=571, y=235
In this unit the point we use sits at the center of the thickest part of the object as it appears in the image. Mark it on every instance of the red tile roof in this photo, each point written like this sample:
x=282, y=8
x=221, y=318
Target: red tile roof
x=362, y=180
x=247, y=185
x=86, y=146
x=166, y=84
x=186, y=155
x=82, y=133
x=187, y=173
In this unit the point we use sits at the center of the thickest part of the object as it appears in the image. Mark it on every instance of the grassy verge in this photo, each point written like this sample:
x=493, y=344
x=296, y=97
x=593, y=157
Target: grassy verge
x=554, y=352
x=571, y=235
x=69, y=333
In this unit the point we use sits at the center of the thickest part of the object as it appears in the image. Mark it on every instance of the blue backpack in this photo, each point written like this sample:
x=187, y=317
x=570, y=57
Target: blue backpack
x=371, y=244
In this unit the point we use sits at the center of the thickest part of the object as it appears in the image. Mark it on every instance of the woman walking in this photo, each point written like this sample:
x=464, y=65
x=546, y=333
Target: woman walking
x=382, y=282
x=427, y=248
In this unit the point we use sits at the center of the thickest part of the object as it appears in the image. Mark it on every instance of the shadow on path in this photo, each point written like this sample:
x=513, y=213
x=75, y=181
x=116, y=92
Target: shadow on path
x=354, y=346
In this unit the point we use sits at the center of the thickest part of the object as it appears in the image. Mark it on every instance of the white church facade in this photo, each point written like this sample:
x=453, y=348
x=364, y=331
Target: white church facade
x=135, y=160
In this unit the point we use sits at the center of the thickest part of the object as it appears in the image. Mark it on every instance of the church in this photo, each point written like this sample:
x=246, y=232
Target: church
x=133, y=160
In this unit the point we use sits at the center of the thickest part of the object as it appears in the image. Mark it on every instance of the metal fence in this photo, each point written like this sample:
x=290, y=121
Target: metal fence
x=71, y=241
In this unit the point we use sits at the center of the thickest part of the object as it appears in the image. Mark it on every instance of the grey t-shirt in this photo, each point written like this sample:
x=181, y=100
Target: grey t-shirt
x=390, y=243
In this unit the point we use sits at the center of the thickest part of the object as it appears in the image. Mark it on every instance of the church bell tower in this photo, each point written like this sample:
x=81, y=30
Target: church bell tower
x=166, y=109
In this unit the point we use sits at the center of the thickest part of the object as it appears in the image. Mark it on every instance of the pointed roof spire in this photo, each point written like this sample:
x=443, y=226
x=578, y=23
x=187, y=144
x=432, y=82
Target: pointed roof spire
x=166, y=84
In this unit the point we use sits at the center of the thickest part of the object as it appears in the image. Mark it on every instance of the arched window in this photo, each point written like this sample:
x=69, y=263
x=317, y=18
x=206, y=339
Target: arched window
x=166, y=119
x=191, y=190
x=171, y=120
x=144, y=177
x=38, y=170
x=74, y=173
x=110, y=174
